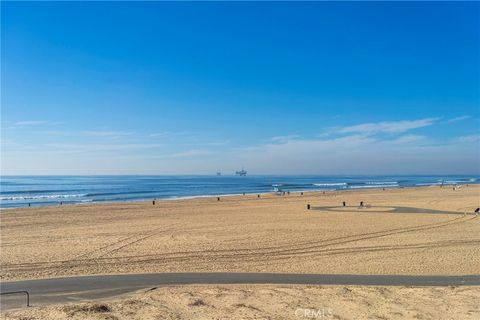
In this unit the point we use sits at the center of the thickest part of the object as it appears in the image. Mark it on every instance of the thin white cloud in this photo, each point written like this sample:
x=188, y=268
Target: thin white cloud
x=387, y=126
x=25, y=123
x=361, y=154
x=168, y=134
x=30, y=123
x=176, y=155
x=453, y=120
x=468, y=139
x=86, y=148
x=218, y=143
x=188, y=153
x=407, y=139
x=160, y=134
x=285, y=138
x=369, y=148
x=105, y=133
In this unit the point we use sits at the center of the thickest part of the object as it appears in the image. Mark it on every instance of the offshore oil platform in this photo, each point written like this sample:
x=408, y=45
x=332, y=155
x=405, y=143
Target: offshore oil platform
x=241, y=173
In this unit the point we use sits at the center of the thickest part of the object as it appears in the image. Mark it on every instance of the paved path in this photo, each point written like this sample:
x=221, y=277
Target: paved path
x=385, y=209
x=61, y=290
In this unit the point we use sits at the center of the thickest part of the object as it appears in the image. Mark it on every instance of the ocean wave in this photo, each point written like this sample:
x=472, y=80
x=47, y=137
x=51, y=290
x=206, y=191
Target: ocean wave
x=120, y=193
x=287, y=185
x=382, y=182
x=20, y=191
x=5, y=193
x=38, y=197
x=448, y=182
x=374, y=186
x=456, y=181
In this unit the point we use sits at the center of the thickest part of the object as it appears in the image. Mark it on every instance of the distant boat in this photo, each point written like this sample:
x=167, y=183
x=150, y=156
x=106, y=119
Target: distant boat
x=219, y=173
x=241, y=173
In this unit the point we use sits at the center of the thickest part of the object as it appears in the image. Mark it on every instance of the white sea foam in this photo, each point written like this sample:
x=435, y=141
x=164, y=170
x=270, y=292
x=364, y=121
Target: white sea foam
x=330, y=184
x=382, y=182
x=45, y=196
x=448, y=182
x=374, y=186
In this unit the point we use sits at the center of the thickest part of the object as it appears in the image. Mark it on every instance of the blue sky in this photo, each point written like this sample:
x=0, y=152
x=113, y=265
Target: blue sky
x=278, y=88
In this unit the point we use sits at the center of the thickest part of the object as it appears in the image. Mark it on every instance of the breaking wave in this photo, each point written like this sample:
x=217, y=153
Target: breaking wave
x=330, y=184
x=374, y=186
x=382, y=182
x=45, y=196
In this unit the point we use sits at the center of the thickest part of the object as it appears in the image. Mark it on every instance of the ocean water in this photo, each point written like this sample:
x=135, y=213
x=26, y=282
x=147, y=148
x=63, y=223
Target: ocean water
x=20, y=191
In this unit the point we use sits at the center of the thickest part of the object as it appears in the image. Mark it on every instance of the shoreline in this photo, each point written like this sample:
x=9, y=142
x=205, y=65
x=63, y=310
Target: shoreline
x=25, y=191
x=240, y=195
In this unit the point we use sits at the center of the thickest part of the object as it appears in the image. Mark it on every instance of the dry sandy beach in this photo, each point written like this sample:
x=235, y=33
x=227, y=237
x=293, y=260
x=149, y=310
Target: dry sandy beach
x=249, y=234
x=272, y=233
x=273, y=302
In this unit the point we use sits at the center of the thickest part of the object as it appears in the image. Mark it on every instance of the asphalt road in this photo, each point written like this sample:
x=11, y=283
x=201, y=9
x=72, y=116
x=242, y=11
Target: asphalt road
x=70, y=289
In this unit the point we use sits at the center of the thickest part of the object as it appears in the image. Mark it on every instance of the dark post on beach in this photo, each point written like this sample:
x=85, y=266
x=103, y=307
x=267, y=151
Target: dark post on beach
x=308, y=206
x=218, y=199
x=344, y=203
x=258, y=196
x=301, y=193
x=361, y=203
x=153, y=202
